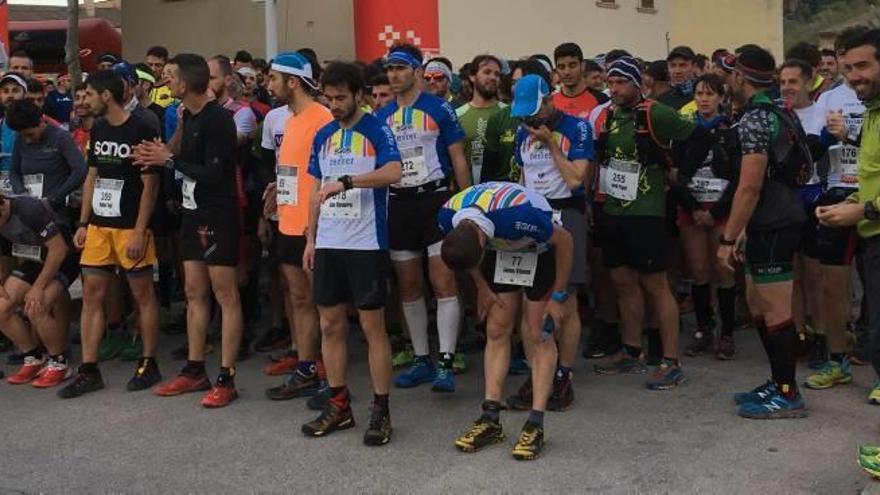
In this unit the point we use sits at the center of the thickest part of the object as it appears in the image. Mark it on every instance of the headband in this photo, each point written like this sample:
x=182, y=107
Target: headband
x=400, y=57
x=437, y=66
x=145, y=76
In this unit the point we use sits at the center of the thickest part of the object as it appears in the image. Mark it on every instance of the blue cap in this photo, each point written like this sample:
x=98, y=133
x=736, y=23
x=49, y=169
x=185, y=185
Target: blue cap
x=295, y=64
x=128, y=73
x=527, y=95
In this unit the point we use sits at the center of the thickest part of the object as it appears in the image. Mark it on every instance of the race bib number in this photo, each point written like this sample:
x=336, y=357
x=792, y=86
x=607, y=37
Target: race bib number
x=707, y=189
x=188, y=191
x=33, y=183
x=107, y=197
x=516, y=268
x=415, y=169
x=26, y=251
x=345, y=205
x=287, y=185
x=5, y=183
x=845, y=163
x=621, y=179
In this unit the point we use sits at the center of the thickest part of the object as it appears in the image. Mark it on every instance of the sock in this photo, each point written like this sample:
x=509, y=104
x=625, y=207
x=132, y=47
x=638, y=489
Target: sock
x=727, y=308
x=632, y=351
x=702, y=306
x=194, y=368
x=536, y=418
x=761, y=327
x=782, y=339
x=306, y=369
x=416, y=315
x=446, y=360
x=491, y=410
x=838, y=357
x=226, y=378
x=655, y=344
x=59, y=358
x=562, y=372
x=34, y=353
x=339, y=397
x=89, y=368
x=381, y=401
x=448, y=320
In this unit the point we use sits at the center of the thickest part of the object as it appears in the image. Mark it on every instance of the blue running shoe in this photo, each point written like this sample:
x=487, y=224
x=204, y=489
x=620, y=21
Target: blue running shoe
x=444, y=381
x=757, y=394
x=421, y=371
x=666, y=376
x=776, y=406
x=518, y=366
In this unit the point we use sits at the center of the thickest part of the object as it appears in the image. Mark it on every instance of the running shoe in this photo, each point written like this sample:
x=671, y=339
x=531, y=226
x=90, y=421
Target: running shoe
x=758, y=394
x=403, y=359
x=776, y=406
x=726, y=350
x=182, y=384
x=145, y=376
x=483, y=432
x=869, y=450
x=444, y=380
x=83, y=383
x=27, y=372
x=518, y=366
x=331, y=419
x=112, y=345
x=702, y=341
x=286, y=364
x=666, y=376
x=530, y=443
x=874, y=395
x=459, y=364
x=830, y=374
x=623, y=364
x=379, y=431
x=295, y=385
x=219, y=396
x=274, y=338
x=133, y=350
x=318, y=402
x=522, y=399
x=421, y=371
x=52, y=375
x=562, y=396
x=870, y=464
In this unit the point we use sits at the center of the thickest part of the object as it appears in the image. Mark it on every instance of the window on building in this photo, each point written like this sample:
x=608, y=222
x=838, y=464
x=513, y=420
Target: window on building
x=647, y=6
x=608, y=4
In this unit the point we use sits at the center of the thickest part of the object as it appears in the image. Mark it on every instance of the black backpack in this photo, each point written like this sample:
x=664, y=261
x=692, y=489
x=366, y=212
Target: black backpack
x=789, y=158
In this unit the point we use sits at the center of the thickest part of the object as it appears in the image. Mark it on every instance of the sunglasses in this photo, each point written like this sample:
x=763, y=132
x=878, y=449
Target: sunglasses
x=434, y=77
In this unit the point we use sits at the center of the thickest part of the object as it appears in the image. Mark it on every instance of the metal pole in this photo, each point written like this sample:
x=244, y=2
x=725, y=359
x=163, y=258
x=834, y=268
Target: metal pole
x=271, y=29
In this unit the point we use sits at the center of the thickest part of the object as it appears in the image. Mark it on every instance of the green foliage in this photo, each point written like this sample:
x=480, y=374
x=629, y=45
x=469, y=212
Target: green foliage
x=815, y=16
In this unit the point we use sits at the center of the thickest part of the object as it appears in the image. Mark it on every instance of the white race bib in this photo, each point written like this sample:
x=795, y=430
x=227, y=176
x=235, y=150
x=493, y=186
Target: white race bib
x=345, y=205
x=33, y=183
x=188, y=191
x=107, y=197
x=287, y=186
x=515, y=268
x=845, y=163
x=557, y=217
x=707, y=189
x=415, y=169
x=621, y=179
x=26, y=251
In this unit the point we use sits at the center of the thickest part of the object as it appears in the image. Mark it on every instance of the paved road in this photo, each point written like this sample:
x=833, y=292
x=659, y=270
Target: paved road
x=619, y=438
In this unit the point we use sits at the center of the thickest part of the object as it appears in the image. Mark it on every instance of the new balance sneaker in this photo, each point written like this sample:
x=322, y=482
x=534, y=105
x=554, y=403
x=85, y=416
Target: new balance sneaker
x=482, y=433
x=702, y=341
x=285, y=364
x=83, y=383
x=874, y=395
x=666, y=376
x=274, y=338
x=182, y=384
x=52, y=375
x=562, y=396
x=318, y=402
x=403, y=359
x=27, y=372
x=112, y=345
x=145, y=376
x=830, y=374
x=379, y=431
x=421, y=371
x=530, y=443
x=776, y=406
x=220, y=396
x=459, y=363
x=332, y=419
x=757, y=394
x=133, y=350
x=444, y=380
x=726, y=350
x=623, y=364
x=296, y=385
x=522, y=399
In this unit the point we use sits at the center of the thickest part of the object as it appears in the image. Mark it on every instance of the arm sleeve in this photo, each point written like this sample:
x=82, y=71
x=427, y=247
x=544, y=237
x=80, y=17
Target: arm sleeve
x=444, y=218
x=314, y=159
x=450, y=128
x=220, y=144
x=77, y=166
x=245, y=121
x=386, y=145
x=37, y=218
x=692, y=155
x=581, y=142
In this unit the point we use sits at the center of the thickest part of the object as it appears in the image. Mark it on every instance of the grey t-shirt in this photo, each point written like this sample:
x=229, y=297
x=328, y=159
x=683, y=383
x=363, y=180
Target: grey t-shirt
x=53, y=167
x=30, y=223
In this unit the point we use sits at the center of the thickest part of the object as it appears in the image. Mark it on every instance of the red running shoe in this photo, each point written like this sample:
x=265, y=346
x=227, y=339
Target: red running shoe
x=182, y=384
x=53, y=374
x=27, y=372
x=287, y=364
x=220, y=396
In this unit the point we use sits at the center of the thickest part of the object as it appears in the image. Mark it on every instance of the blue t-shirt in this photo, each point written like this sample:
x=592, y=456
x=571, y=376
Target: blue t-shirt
x=574, y=136
x=7, y=144
x=522, y=218
x=171, y=119
x=59, y=105
x=357, y=218
x=424, y=132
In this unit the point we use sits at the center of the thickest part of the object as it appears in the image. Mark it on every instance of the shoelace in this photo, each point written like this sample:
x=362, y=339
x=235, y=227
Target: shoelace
x=377, y=418
x=527, y=437
x=477, y=429
x=56, y=366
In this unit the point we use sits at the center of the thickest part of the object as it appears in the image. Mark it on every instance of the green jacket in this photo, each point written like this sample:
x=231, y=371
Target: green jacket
x=869, y=167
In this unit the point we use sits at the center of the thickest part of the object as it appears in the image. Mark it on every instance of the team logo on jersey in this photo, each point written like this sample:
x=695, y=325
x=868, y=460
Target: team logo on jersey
x=112, y=149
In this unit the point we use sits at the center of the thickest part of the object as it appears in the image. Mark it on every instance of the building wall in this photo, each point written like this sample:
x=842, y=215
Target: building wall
x=707, y=25
x=518, y=28
x=209, y=27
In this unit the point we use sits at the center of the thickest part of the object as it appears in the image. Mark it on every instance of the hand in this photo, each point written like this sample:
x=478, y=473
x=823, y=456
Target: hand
x=486, y=300
x=836, y=125
x=263, y=232
x=136, y=246
x=79, y=238
x=270, y=200
x=33, y=300
x=542, y=134
x=726, y=258
x=555, y=310
x=329, y=190
x=309, y=257
x=151, y=154
x=841, y=214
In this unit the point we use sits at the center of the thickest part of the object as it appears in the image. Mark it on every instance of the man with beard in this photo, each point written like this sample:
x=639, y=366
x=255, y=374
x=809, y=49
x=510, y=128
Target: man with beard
x=474, y=116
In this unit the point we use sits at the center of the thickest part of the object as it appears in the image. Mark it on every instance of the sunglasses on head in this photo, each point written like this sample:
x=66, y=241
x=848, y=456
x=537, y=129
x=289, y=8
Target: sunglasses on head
x=434, y=77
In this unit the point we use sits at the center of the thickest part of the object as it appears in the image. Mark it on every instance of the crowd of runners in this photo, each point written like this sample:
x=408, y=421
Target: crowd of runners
x=507, y=205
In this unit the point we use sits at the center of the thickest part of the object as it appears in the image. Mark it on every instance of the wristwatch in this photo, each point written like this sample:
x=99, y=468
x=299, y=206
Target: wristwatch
x=169, y=163
x=559, y=296
x=724, y=242
x=871, y=212
x=346, y=181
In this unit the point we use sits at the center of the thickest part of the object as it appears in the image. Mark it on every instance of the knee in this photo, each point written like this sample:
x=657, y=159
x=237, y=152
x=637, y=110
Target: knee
x=7, y=309
x=498, y=331
x=227, y=297
x=331, y=326
x=443, y=284
x=301, y=299
x=196, y=294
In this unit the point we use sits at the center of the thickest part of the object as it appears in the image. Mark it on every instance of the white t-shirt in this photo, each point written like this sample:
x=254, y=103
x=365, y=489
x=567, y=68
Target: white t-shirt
x=813, y=121
x=273, y=132
x=844, y=158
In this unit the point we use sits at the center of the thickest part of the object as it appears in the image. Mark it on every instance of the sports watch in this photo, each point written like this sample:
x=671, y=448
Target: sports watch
x=559, y=296
x=871, y=212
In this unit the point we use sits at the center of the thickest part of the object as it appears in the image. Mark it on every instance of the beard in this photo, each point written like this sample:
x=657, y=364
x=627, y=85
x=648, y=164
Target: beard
x=485, y=91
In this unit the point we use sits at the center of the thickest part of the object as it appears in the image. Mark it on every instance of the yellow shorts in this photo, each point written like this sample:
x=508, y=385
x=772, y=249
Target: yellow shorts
x=105, y=247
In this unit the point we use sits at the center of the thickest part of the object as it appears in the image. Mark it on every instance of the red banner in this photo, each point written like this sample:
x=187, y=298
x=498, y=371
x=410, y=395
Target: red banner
x=4, y=24
x=380, y=24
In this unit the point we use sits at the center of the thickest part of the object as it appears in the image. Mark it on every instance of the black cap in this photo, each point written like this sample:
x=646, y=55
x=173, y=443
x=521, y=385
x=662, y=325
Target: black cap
x=109, y=58
x=684, y=52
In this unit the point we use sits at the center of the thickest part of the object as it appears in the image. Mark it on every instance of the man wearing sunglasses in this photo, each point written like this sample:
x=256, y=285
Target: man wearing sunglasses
x=438, y=79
